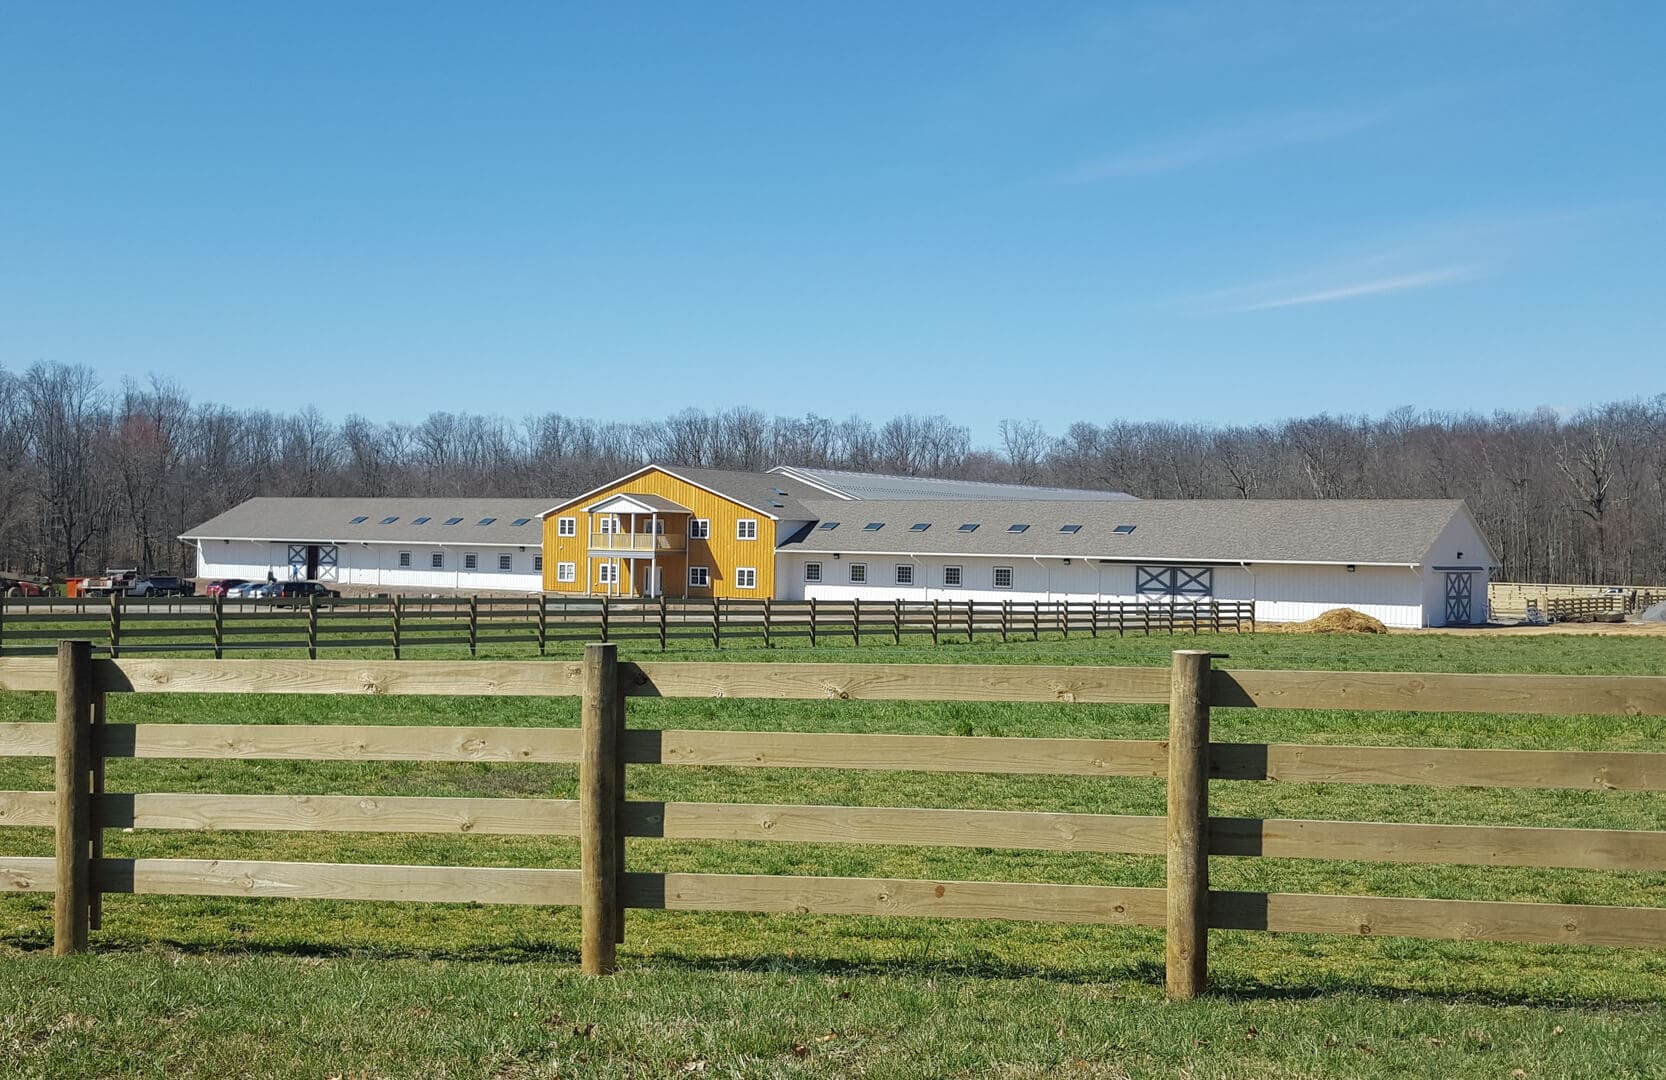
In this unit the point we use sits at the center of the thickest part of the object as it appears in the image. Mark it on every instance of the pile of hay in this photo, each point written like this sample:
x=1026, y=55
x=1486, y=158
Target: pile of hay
x=1338, y=621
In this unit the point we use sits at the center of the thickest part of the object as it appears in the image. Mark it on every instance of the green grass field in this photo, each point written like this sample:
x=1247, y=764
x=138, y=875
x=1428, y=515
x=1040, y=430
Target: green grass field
x=216, y=987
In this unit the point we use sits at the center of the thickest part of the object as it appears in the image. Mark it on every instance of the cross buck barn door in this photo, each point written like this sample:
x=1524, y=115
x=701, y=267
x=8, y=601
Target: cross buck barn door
x=1459, y=591
x=327, y=561
x=312, y=562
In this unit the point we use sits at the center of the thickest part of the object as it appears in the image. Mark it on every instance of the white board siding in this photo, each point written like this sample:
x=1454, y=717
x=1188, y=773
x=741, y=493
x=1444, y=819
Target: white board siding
x=1459, y=544
x=376, y=566
x=1281, y=593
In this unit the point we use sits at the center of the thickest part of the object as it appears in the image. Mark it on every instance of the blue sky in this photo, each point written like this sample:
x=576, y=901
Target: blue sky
x=1189, y=211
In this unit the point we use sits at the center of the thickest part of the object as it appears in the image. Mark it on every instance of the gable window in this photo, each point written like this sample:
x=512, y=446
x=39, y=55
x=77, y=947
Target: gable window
x=404, y=560
x=951, y=577
x=567, y=526
x=746, y=529
x=858, y=573
x=905, y=573
x=566, y=571
x=812, y=571
x=699, y=577
x=700, y=529
x=746, y=577
x=506, y=562
x=471, y=561
x=437, y=560
x=1001, y=577
x=538, y=563
x=1174, y=581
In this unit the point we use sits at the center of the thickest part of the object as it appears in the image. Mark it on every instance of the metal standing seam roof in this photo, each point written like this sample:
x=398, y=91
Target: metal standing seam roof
x=876, y=486
x=1380, y=531
x=330, y=521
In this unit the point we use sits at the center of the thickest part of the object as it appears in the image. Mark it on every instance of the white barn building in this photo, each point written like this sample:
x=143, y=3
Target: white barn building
x=1410, y=563
x=382, y=545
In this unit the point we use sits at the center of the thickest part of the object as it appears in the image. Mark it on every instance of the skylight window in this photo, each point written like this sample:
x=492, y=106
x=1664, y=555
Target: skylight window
x=919, y=526
x=1070, y=528
x=421, y=520
x=390, y=520
x=1016, y=528
x=873, y=526
x=520, y=521
x=485, y=521
x=453, y=521
x=1122, y=530
x=968, y=528
x=360, y=520
x=828, y=525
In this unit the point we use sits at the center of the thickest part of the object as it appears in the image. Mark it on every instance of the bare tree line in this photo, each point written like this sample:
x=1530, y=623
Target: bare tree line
x=91, y=477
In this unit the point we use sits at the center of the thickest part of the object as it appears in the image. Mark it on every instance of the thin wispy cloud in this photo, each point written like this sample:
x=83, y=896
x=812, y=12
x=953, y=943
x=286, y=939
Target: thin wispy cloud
x=1226, y=143
x=1423, y=279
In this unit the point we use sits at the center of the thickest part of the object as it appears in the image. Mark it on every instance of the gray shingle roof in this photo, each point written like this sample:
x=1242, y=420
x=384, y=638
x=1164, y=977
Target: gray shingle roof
x=298, y=520
x=652, y=502
x=881, y=486
x=1252, y=530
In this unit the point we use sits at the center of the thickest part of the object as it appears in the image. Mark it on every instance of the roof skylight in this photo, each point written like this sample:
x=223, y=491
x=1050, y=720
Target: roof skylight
x=873, y=526
x=968, y=528
x=1016, y=528
x=1122, y=530
x=485, y=521
x=453, y=521
x=421, y=520
x=390, y=519
x=919, y=526
x=1070, y=528
x=828, y=525
x=360, y=520
x=520, y=521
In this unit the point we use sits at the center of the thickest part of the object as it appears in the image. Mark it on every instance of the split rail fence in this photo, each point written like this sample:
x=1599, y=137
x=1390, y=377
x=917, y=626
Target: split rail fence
x=217, y=626
x=602, y=816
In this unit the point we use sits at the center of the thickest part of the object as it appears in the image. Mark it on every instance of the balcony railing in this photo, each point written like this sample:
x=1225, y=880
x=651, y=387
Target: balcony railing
x=646, y=542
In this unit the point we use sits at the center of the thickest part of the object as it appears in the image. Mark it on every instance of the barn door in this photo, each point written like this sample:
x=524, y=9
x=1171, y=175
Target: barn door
x=325, y=570
x=1459, y=590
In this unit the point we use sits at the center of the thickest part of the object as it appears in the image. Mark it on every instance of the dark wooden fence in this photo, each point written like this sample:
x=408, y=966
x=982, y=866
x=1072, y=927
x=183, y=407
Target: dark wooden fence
x=122, y=626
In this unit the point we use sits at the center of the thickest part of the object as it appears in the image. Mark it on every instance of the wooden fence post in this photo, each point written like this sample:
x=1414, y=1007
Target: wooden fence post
x=115, y=625
x=604, y=618
x=717, y=624
x=398, y=622
x=934, y=622
x=543, y=616
x=217, y=607
x=312, y=627
x=1006, y=618
x=664, y=622
x=896, y=621
x=1063, y=612
x=1188, y=825
x=72, y=899
x=812, y=622
x=474, y=625
x=2, y=621
x=971, y=606
x=598, y=807
x=856, y=621
x=1035, y=620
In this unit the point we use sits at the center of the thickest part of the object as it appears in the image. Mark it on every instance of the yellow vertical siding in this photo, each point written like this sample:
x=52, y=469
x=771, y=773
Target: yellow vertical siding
x=722, y=554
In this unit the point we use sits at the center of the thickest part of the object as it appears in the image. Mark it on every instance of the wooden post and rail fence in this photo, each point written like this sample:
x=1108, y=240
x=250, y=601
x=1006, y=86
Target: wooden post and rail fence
x=218, y=626
x=602, y=816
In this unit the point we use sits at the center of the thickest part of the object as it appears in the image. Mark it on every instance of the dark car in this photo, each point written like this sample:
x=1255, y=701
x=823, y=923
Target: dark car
x=159, y=585
x=299, y=593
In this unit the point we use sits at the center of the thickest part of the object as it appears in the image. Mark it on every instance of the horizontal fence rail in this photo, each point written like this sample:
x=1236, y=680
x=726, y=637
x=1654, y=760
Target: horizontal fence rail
x=603, y=887
x=121, y=626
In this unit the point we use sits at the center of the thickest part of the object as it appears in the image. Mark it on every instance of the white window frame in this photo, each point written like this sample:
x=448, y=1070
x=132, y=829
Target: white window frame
x=700, y=528
x=995, y=577
x=746, y=577
x=959, y=581
x=566, y=572
x=812, y=572
x=607, y=573
x=905, y=574
x=505, y=562
x=471, y=560
x=607, y=524
x=567, y=526
x=436, y=561
x=703, y=581
x=404, y=560
x=858, y=573
x=746, y=528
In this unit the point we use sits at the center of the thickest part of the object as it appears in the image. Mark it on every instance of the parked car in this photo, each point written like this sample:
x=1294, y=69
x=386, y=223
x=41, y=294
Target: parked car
x=223, y=586
x=19, y=587
x=161, y=585
x=300, y=593
x=251, y=590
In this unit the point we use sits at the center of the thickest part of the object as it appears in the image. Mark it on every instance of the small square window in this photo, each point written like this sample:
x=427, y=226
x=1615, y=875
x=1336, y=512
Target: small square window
x=404, y=560
x=700, y=529
x=699, y=577
x=566, y=526
x=812, y=571
x=905, y=573
x=506, y=562
x=746, y=577
x=566, y=571
x=746, y=529
x=951, y=577
x=858, y=573
x=437, y=560
x=1002, y=578
x=471, y=561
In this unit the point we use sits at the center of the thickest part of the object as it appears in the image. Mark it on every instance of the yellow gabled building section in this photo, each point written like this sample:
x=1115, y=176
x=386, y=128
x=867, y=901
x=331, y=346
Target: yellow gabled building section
x=723, y=553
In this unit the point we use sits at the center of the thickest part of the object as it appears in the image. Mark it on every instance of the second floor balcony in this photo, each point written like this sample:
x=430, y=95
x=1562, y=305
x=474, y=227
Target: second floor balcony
x=646, y=543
